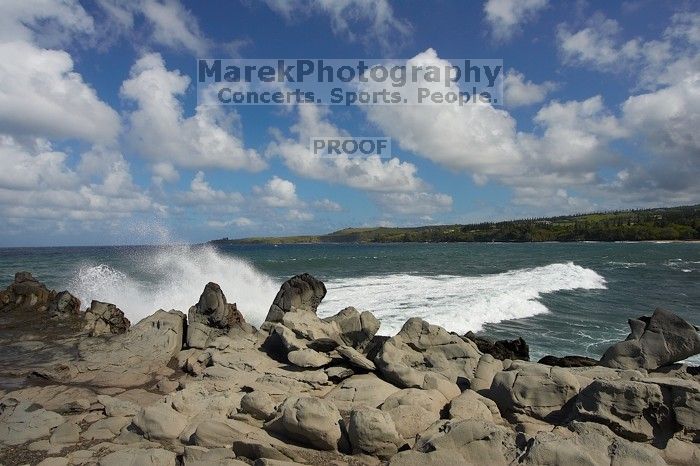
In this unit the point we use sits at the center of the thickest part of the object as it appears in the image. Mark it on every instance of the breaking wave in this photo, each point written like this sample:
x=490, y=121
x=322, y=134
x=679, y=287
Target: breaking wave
x=457, y=303
x=173, y=277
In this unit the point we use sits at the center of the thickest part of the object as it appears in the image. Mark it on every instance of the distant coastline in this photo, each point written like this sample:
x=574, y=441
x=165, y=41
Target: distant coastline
x=668, y=224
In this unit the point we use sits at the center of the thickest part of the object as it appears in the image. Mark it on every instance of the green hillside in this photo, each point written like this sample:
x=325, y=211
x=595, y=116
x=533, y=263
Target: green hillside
x=661, y=224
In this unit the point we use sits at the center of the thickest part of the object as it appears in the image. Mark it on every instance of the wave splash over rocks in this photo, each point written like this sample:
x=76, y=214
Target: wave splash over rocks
x=168, y=278
x=456, y=302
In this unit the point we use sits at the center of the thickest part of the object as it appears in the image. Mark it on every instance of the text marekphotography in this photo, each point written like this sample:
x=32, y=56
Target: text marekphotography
x=349, y=82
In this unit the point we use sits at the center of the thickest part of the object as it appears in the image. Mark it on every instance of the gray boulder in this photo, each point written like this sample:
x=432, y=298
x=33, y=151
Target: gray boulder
x=633, y=410
x=471, y=405
x=25, y=293
x=468, y=442
x=534, y=389
x=258, y=404
x=306, y=357
x=414, y=410
x=588, y=444
x=160, y=422
x=105, y=319
x=363, y=390
x=420, y=348
x=213, y=317
x=655, y=341
x=356, y=329
x=301, y=293
x=373, y=432
x=308, y=420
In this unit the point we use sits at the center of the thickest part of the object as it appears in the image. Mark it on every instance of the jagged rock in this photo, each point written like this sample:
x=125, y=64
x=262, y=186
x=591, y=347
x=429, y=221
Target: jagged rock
x=160, y=422
x=213, y=317
x=134, y=456
x=655, y=341
x=568, y=361
x=356, y=329
x=301, y=293
x=468, y=442
x=373, y=432
x=360, y=390
x=419, y=348
x=308, y=420
x=471, y=405
x=306, y=357
x=127, y=360
x=633, y=410
x=355, y=358
x=25, y=292
x=105, y=319
x=308, y=327
x=22, y=421
x=63, y=305
x=414, y=410
x=533, y=389
x=517, y=349
x=258, y=404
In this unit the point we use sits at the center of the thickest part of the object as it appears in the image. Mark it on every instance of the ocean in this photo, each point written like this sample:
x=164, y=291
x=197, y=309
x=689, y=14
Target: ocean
x=562, y=298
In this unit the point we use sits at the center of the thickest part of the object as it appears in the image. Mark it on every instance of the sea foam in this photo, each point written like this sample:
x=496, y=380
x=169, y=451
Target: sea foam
x=173, y=277
x=456, y=303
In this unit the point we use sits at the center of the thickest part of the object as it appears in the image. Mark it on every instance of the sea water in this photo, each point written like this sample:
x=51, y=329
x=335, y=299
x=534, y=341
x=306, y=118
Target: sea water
x=563, y=298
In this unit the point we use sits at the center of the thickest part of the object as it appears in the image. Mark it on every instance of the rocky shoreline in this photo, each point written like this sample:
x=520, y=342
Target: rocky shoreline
x=87, y=387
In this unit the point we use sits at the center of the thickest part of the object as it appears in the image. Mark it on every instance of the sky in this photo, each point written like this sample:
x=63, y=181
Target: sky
x=102, y=140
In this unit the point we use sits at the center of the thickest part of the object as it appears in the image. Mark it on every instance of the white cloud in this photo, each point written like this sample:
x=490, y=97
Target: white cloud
x=159, y=131
x=47, y=188
x=277, y=192
x=475, y=137
x=49, y=23
x=505, y=17
x=169, y=23
x=241, y=222
x=202, y=194
x=519, y=91
x=668, y=118
x=597, y=44
x=297, y=215
x=42, y=96
x=421, y=203
x=370, y=174
x=328, y=205
x=370, y=22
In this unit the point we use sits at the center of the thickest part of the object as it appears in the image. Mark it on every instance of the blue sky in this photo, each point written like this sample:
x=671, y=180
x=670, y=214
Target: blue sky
x=102, y=141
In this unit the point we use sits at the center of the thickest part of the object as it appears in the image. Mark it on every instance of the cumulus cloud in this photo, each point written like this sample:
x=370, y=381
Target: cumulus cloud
x=202, y=194
x=371, y=174
x=371, y=23
x=159, y=130
x=277, y=192
x=520, y=92
x=168, y=23
x=48, y=98
x=48, y=23
x=506, y=17
x=327, y=205
x=475, y=137
x=46, y=187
